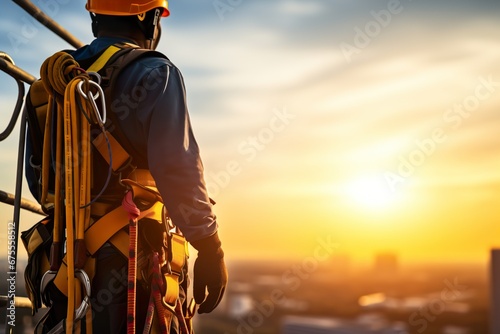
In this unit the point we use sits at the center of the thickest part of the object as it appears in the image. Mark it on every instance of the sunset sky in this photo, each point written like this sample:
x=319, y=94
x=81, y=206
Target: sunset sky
x=372, y=125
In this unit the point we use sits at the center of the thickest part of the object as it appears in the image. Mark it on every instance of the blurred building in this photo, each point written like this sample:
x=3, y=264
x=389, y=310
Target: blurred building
x=386, y=263
x=238, y=305
x=365, y=324
x=341, y=265
x=495, y=291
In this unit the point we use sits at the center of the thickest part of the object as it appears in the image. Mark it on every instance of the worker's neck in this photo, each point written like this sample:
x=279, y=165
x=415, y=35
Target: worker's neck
x=134, y=36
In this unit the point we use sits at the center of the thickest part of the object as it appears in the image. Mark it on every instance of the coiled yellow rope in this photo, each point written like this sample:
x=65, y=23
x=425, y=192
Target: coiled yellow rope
x=66, y=82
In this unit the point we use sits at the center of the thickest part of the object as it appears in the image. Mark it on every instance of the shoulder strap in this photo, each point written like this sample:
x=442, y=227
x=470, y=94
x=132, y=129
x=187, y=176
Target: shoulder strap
x=109, y=65
x=104, y=58
x=116, y=58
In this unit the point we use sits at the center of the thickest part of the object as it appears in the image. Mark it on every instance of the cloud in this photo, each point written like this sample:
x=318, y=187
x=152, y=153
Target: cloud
x=350, y=118
x=299, y=8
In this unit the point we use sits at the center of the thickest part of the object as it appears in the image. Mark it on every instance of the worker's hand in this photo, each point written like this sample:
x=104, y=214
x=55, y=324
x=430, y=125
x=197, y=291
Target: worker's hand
x=210, y=273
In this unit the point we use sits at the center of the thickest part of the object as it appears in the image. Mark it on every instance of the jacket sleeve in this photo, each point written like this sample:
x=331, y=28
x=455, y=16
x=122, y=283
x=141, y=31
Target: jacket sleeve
x=160, y=125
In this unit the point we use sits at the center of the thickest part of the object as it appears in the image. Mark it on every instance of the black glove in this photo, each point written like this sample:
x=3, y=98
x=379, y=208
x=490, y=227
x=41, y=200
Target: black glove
x=210, y=273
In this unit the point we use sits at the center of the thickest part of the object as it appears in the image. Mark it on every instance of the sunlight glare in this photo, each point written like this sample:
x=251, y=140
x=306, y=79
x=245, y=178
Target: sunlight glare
x=371, y=192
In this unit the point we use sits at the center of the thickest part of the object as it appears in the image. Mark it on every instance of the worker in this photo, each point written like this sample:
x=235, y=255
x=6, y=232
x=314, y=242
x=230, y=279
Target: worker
x=148, y=115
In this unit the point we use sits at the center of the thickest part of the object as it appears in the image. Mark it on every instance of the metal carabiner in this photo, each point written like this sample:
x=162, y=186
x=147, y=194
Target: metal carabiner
x=83, y=94
x=97, y=76
x=92, y=98
x=46, y=279
x=82, y=309
x=84, y=279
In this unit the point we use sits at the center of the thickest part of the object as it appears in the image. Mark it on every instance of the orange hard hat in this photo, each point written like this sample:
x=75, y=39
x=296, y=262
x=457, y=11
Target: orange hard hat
x=124, y=8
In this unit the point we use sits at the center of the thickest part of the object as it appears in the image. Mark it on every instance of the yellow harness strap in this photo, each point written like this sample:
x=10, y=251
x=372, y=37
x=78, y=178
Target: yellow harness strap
x=178, y=252
x=103, y=59
x=120, y=156
x=103, y=229
x=106, y=56
x=107, y=228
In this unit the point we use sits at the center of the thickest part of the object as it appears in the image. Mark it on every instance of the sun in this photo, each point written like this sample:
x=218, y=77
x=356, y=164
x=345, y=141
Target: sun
x=371, y=192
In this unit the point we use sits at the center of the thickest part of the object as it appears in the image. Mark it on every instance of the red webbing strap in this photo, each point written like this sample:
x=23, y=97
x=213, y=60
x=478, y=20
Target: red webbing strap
x=155, y=301
x=182, y=319
x=133, y=213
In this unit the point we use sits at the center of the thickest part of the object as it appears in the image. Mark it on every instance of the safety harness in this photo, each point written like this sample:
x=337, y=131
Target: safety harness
x=66, y=114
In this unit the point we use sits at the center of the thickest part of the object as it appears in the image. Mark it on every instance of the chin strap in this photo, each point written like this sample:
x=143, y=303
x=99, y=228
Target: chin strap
x=149, y=23
x=95, y=24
